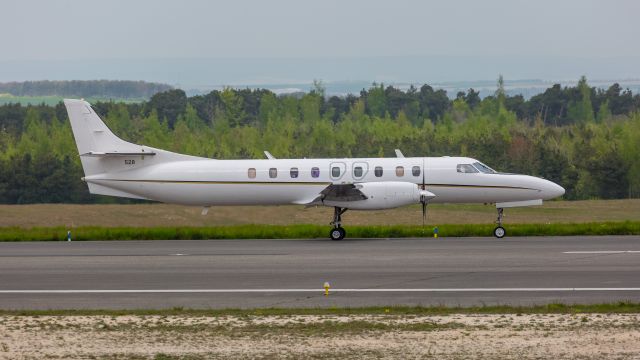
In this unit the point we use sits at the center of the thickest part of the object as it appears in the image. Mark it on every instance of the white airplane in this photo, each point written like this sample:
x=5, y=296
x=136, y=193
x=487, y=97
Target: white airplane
x=115, y=167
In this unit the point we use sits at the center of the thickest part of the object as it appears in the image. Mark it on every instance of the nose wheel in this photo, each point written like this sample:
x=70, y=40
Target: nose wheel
x=499, y=231
x=338, y=232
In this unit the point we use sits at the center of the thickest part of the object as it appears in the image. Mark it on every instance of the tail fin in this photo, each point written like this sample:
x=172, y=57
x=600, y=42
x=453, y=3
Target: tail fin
x=94, y=137
x=103, y=152
x=90, y=132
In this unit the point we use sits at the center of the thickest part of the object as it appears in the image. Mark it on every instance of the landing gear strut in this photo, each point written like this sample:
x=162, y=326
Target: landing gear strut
x=499, y=231
x=338, y=232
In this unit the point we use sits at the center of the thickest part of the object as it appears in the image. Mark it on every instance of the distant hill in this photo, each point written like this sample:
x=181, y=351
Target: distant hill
x=107, y=89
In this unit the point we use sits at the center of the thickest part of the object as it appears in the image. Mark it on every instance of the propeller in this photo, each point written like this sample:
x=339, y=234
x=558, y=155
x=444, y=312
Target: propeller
x=423, y=201
x=425, y=196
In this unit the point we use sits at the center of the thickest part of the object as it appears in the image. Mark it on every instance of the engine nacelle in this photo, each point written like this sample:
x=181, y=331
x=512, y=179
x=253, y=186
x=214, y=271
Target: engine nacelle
x=384, y=195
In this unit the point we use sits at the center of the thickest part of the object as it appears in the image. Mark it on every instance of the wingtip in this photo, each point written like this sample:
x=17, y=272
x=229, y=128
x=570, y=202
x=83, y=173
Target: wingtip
x=75, y=101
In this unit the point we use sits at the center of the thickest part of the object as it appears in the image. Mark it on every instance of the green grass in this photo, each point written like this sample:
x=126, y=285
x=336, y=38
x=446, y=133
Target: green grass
x=554, y=308
x=299, y=329
x=308, y=231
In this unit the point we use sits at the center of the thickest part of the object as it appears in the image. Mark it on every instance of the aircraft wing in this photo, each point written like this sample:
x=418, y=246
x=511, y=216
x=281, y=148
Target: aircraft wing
x=342, y=192
x=339, y=192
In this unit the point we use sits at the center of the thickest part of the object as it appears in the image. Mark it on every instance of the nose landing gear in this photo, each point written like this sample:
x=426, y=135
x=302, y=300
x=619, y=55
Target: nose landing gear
x=499, y=231
x=338, y=232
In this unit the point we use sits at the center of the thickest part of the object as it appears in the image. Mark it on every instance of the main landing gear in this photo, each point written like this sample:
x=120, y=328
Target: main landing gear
x=338, y=232
x=499, y=231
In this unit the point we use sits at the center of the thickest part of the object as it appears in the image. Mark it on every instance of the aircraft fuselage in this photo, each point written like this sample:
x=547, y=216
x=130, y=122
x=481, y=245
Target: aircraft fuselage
x=298, y=181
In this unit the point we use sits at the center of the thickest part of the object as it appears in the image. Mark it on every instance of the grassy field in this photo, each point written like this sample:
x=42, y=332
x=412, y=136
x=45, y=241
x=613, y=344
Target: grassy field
x=50, y=222
x=309, y=231
x=155, y=215
x=621, y=307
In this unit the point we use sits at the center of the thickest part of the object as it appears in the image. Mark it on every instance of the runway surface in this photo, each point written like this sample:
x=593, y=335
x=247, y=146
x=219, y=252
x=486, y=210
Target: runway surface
x=291, y=273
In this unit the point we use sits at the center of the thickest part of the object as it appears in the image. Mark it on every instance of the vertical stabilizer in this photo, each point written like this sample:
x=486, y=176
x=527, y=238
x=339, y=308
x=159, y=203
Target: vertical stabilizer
x=90, y=131
x=102, y=152
x=93, y=136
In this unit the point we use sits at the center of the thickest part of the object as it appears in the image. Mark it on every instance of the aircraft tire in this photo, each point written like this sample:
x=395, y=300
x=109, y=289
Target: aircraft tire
x=499, y=232
x=337, y=234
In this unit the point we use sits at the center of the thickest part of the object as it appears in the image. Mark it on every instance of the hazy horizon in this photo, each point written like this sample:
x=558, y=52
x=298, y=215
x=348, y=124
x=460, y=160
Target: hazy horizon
x=234, y=71
x=199, y=44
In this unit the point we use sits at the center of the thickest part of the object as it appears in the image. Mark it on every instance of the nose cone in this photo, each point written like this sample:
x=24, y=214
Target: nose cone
x=551, y=190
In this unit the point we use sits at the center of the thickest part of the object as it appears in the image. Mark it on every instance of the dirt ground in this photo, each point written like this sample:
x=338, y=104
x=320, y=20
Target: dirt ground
x=509, y=336
x=149, y=215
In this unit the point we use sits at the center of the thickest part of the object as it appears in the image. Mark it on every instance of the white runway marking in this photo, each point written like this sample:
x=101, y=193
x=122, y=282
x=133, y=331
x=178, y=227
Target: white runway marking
x=223, y=291
x=604, y=252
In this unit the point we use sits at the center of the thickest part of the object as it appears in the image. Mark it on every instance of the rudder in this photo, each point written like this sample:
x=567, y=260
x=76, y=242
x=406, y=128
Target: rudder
x=93, y=136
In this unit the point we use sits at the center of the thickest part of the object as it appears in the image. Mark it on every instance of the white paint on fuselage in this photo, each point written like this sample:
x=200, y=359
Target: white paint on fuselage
x=226, y=182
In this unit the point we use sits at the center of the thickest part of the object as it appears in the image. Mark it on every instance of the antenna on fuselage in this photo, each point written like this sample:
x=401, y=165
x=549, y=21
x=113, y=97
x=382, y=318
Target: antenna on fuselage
x=399, y=153
x=268, y=155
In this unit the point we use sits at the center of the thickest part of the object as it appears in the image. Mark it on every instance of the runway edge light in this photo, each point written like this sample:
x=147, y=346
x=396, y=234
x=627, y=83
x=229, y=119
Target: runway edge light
x=326, y=288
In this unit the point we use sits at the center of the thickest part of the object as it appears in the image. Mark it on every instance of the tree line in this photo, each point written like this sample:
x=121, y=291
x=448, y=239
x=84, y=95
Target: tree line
x=585, y=139
x=114, y=89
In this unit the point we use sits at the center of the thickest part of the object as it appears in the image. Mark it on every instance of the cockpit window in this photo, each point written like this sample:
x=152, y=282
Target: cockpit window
x=466, y=168
x=484, y=168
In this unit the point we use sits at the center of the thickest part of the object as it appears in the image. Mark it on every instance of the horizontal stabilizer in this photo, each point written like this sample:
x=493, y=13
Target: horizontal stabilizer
x=115, y=153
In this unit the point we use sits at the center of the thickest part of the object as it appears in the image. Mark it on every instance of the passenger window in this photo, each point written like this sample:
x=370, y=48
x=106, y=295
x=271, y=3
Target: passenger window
x=399, y=171
x=315, y=172
x=466, y=168
x=335, y=172
x=378, y=171
x=357, y=171
x=251, y=173
x=415, y=171
x=273, y=173
x=294, y=172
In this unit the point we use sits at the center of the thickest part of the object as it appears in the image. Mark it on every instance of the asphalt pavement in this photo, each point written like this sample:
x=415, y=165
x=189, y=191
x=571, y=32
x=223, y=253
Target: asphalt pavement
x=291, y=273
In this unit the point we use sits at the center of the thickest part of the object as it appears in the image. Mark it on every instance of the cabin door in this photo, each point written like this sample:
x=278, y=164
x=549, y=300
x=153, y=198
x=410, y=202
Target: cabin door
x=359, y=170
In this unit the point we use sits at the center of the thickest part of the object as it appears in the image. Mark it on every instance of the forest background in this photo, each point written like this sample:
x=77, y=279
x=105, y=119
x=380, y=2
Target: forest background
x=587, y=139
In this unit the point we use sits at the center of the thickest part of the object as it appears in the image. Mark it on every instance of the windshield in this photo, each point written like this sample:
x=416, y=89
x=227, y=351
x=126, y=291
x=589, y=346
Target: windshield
x=466, y=168
x=484, y=168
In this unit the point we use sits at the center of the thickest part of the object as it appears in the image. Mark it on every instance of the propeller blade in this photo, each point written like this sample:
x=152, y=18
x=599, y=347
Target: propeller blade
x=423, y=199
